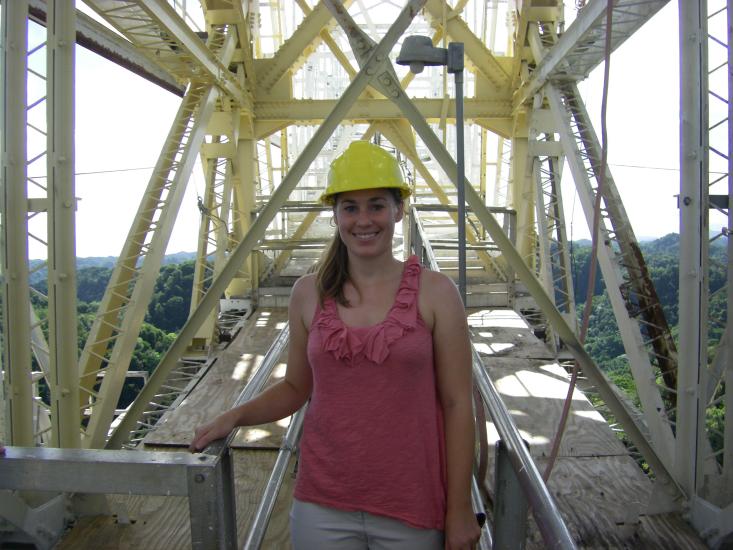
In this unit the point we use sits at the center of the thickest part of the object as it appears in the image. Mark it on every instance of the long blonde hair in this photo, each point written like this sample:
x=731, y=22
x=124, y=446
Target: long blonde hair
x=333, y=269
x=333, y=272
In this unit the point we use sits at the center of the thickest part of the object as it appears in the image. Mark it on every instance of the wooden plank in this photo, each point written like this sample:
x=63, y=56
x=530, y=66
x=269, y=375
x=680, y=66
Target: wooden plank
x=604, y=500
x=164, y=523
x=221, y=386
x=535, y=396
x=503, y=333
x=665, y=531
x=252, y=470
x=601, y=492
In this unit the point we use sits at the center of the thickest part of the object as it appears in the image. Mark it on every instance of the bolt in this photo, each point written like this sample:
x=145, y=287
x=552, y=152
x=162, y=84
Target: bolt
x=199, y=478
x=687, y=201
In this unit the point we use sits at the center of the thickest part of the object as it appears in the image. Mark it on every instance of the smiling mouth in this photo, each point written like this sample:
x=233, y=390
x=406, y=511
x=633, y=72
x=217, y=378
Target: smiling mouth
x=365, y=236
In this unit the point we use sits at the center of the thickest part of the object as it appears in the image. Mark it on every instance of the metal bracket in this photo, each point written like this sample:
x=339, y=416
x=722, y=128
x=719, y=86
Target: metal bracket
x=42, y=525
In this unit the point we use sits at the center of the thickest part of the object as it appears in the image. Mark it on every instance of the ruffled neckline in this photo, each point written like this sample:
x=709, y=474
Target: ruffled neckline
x=347, y=343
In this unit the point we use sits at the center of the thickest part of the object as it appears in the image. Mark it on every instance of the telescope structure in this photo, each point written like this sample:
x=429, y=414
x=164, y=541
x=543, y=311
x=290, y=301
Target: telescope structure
x=268, y=93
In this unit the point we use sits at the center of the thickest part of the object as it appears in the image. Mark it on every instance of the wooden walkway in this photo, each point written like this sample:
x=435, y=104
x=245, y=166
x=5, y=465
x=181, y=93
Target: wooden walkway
x=600, y=491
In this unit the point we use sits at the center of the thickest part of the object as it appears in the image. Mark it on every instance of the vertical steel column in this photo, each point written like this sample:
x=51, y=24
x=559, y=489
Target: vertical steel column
x=522, y=196
x=244, y=191
x=62, y=316
x=455, y=50
x=693, y=236
x=16, y=298
x=511, y=507
x=728, y=376
x=212, y=505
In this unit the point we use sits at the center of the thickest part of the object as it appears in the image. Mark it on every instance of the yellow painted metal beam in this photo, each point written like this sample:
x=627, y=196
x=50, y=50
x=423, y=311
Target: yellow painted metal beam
x=478, y=55
x=296, y=49
x=313, y=111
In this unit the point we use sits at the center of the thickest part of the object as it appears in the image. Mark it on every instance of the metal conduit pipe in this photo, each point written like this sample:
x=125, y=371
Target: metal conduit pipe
x=554, y=532
x=267, y=503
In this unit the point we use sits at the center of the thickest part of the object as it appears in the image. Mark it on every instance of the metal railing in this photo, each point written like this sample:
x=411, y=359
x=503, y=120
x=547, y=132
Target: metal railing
x=512, y=448
x=205, y=479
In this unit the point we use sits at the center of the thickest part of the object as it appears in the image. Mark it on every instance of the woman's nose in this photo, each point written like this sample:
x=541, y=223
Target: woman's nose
x=363, y=217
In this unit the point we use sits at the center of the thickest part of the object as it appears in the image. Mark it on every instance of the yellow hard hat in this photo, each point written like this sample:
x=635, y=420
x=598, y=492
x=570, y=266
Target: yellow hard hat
x=364, y=166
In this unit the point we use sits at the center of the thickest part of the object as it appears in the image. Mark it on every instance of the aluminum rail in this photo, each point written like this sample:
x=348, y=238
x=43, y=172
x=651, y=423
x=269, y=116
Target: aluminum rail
x=554, y=532
x=267, y=503
x=203, y=479
x=254, y=386
x=546, y=513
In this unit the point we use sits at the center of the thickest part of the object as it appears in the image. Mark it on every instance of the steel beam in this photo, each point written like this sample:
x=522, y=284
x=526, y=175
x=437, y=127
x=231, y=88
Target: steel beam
x=312, y=111
x=476, y=51
x=62, y=316
x=216, y=68
x=97, y=38
x=693, y=244
x=581, y=46
x=123, y=307
x=293, y=51
x=104, y=406
x=160, y=33
x=651, y=399
x=16, y=296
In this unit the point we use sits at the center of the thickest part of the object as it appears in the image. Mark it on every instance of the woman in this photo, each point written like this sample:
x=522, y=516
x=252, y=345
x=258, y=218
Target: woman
x=381, y=349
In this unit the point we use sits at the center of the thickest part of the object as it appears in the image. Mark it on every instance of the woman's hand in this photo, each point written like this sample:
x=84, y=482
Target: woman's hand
x=220, y=427
x=462, y=530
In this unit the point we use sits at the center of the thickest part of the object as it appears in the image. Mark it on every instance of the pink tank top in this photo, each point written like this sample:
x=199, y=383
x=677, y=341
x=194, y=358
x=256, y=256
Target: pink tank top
x=373, y=437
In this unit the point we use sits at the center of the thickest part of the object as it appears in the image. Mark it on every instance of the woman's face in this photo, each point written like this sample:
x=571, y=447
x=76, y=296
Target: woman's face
x=366, y=219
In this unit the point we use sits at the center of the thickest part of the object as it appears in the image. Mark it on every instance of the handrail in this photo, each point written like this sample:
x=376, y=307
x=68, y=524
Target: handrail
x=203, y=479
x=554, y=532
x=267, y=503
x=254, y=386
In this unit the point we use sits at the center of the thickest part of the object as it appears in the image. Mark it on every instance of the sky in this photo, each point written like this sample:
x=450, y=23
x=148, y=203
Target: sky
x=122, y=121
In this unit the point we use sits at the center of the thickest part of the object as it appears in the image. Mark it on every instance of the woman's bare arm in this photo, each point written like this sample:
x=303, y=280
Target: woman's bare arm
x=282, y=398
x=452, y=351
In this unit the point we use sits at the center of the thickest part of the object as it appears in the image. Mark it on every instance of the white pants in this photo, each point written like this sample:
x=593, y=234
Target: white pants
x=315, y=527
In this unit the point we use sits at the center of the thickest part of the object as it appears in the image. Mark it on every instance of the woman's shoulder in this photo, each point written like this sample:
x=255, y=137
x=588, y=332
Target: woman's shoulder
x=304, y=288
x=437, y=292
x=435, y=283
x=304, y=297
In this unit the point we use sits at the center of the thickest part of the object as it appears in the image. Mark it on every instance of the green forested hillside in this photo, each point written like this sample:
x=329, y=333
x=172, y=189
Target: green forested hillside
x=166, y=314
x=603, y=341
x=170, y=303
